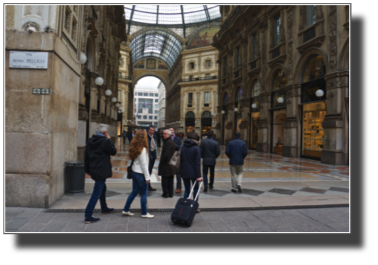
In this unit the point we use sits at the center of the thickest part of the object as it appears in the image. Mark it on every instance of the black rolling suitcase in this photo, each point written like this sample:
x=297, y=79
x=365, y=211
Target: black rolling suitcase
x=186, y=209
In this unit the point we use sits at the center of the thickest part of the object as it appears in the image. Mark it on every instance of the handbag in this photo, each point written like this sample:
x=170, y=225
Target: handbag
x=129, y=170
x=175, y=161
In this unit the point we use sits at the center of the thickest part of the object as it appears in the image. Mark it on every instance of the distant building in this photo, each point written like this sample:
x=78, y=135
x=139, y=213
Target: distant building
x=146, y=108
x=161, y=103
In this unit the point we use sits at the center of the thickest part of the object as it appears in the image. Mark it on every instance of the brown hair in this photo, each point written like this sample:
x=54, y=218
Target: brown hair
x=138, y=143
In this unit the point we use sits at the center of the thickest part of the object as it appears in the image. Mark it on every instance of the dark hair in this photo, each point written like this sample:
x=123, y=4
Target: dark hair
x=237, y=134
x=151, y=126
x=192, y=135
x=210, y=133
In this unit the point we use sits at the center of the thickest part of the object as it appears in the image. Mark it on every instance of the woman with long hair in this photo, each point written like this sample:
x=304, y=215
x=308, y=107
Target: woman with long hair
x=139, y=172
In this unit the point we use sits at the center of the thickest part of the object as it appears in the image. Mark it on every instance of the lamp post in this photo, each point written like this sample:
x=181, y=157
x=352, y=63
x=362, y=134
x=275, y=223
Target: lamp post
x=319, y=93
x=83, y=58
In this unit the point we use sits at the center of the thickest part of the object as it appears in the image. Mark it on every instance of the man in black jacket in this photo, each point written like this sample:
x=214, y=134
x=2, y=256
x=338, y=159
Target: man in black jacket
x=165, y=170
x=178, y=144
x=152, y=151
x=209, y=152
x=98, y=150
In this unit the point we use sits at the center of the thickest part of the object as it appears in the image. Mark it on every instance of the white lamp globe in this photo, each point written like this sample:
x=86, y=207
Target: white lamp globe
x=83, y=58
x=254, y=106
x=236, y=109
x=118, y=104
x=280, y=100
x=114, y=99
x=319, y=93
x=223, y=112
x=99, y=81
x=108, y=92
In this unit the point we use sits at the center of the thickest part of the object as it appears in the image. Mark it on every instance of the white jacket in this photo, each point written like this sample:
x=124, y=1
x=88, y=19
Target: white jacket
x=141, y=164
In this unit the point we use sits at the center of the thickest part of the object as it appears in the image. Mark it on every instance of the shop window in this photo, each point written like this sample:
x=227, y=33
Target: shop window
x=313, y=133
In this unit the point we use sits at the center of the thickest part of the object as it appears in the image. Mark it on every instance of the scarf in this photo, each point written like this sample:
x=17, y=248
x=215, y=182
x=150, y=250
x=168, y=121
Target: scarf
x=152, y=144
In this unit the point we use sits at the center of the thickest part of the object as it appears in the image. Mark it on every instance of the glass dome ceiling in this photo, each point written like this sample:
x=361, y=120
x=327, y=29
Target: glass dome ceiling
x=171, y=14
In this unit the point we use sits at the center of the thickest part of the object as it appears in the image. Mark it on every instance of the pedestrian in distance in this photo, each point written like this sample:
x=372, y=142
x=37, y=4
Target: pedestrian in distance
x=236, y=150
x=139, y=173
x=152, y=151
x=131, y=136
x=209, y=152
x=190, y=164
x=124, y=135
x=178, y=144
x=165, y=170
x=97, y=164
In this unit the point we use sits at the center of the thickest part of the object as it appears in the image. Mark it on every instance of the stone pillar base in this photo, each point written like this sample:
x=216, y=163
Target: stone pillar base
x=333, y=158
x=289, y=151
x=27, y=190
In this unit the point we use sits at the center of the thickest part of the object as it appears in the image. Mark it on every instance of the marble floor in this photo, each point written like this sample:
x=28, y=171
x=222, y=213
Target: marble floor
x=257, y=167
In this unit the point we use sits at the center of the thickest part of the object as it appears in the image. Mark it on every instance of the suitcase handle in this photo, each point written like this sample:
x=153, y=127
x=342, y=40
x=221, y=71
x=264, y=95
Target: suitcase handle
x=191, y=191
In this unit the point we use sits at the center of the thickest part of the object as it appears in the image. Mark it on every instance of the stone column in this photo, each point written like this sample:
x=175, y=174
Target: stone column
x=94, y=90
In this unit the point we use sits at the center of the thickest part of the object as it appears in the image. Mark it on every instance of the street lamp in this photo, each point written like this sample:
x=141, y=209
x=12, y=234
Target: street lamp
x=254, y=106
x=118, y=104
x=99, y=81
x=223, y=112
x=236, y=109
x=319, y=93
x=108, y=92
x=114, y=99
x=83, y=58
x=280, y=100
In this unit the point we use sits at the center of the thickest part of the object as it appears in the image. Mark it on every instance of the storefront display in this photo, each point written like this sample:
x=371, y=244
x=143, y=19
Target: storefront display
x=255, y=117
x=313, y=133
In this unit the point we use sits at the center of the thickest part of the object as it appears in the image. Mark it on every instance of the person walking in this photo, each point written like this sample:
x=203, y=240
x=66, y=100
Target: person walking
x=139, y=173
x=190, y=164
x=209, y=152
x=152, y=151
x=97, y=165
x=236, y=150
x=165, y=170
x=124, y=135
x=131, y=135
x=178, y=144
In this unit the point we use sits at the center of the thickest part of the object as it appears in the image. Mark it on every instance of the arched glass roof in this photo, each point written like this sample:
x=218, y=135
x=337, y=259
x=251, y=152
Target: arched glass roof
x=155, y=43
x=171, y=14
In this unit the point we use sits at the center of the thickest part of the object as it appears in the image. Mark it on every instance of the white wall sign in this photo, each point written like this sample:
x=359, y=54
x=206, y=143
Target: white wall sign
x=37, y=60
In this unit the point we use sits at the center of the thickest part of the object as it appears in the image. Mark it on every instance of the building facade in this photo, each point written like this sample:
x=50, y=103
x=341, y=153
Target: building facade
x=146, y=106
x=61, y=101
x=161, y=105
x=284, y=79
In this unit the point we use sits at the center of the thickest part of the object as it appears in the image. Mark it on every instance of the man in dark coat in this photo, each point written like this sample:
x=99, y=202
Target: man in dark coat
x=98, y=150
x=178, y=144
x=131, y=135
x=165, y=170
x=209, y=152
x=152, y=151
x=236, y=150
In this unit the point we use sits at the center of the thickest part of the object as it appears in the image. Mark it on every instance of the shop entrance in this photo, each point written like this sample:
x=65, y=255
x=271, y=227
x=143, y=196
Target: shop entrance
x=279, y=117
x=205, y=122
x=255, y=117
x=189, y=122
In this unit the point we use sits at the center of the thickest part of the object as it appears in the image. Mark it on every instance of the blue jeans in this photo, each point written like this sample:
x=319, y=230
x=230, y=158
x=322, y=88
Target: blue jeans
x=187, y=185
x=139, y=184
x=99, y=190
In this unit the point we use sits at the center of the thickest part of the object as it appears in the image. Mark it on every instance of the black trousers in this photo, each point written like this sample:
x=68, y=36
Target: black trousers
x=167, y=185
x=205, y=170
x=124, y=140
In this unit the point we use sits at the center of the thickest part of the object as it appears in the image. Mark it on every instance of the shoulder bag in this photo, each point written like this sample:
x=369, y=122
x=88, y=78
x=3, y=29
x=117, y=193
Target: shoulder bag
x=175, y=161
x=129, y=170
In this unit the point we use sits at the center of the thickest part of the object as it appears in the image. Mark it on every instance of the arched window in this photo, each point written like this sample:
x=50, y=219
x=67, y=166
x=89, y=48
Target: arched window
x=206, y=114
x=277, y=80
x=190, y=114
x=255, y=88
x=314, y=69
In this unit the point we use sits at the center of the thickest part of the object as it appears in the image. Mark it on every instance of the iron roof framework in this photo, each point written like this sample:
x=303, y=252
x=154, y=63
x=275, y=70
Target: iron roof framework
x=156, y=43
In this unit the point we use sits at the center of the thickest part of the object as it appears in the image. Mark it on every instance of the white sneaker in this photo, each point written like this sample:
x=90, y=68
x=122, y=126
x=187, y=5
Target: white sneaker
x=127, y=213
x=148, y=216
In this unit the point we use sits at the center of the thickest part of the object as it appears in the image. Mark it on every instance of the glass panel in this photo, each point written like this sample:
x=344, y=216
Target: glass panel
x=170, y=19
x=146, y=8
x=190, y=114
x=190, y=98
x=195, y=17
x=144, y=17
x=206, y=114
x=310, y=15
x=214, y=12
x=277, y=22
x=277, y=81
x=169, y=9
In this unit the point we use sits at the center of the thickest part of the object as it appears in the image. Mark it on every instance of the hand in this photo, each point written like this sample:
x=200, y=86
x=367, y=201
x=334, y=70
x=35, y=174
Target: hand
x=106, y=135
x=148, y=181
x=199, y=179
x=87, y=175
